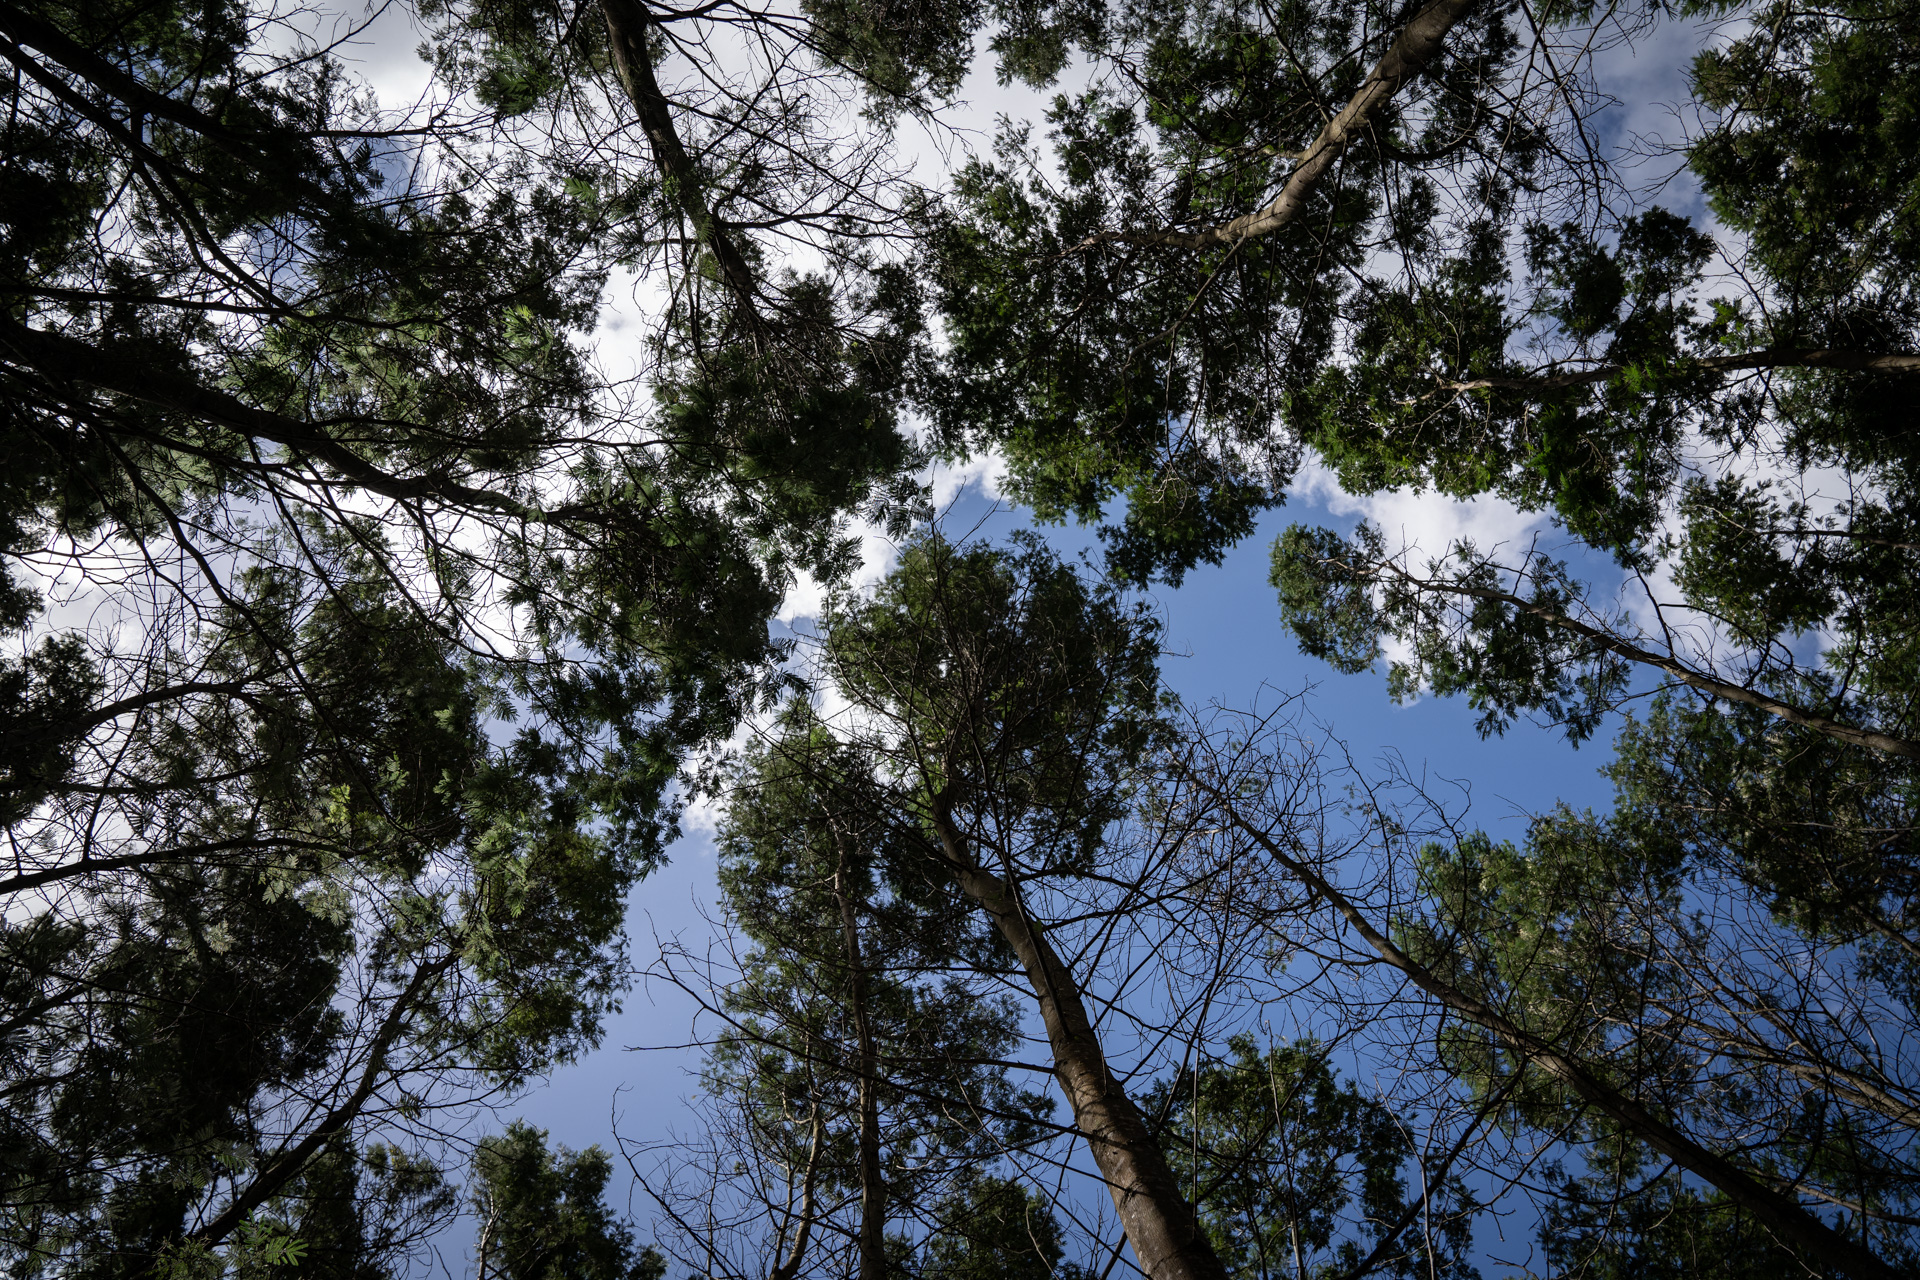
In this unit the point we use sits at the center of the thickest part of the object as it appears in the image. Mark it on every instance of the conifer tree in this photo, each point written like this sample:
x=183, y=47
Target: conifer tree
x=864, y=1033
x=543, y=1214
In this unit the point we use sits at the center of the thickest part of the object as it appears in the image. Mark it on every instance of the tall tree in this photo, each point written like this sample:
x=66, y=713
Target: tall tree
x=1571, y=992
x=1296, y=1173
x=543, y=1214
x=1736, y=444
x=1011, y=702
x=1150, y=312
x=864, y=1038
x=1732, y=942
x=359, y=621
x=995, y=1229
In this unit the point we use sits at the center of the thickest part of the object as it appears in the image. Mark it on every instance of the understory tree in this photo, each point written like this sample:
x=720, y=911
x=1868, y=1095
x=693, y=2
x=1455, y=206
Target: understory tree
x=858, y=1078
x=543, y=1214
x=1295, y=1172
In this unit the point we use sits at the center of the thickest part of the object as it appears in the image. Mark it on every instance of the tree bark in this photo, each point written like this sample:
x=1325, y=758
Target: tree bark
x=789, y=1268
x=1160, y=1225
x=627, y=23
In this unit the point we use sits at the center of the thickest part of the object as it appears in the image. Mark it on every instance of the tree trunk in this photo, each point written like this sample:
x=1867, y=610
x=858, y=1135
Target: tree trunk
x=627, y=23
x=873, y=1191
x=803, y=1232
x=1160, y=1225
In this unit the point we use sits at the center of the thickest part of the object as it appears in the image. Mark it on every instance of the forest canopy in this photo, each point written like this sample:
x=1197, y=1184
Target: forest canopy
x=370, y=623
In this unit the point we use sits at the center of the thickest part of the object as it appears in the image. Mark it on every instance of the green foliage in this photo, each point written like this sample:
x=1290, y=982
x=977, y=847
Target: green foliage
x=1123, y=372
x=1598, y=391
x=350, y=1215
x=1082, y=415
x=906, y=52
x=543, y=1216
x=995, y=1229
x=1027, y=691
x=1658, y=1229
x=1641, y=944
x=1296, y=1173
x=998, y=692
x=1601, y=456
x=813, y=847
x=1814, y=829
x=1813, y=160
x=386, y=619
x=1467, y=625
x=44, y=699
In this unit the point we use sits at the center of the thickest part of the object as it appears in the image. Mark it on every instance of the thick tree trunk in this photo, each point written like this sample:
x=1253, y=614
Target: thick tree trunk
x=1160, y=1224
x=1418, y=45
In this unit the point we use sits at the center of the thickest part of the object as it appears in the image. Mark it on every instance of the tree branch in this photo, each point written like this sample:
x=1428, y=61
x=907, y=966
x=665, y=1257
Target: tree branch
x=1780, y=1214
x=1769, y=358
x=171, y=853
x=70, y=361
x=627, y=25
x=1160, y=1224
x=286, y=1166
x=1892, y=745
x=1419, y=43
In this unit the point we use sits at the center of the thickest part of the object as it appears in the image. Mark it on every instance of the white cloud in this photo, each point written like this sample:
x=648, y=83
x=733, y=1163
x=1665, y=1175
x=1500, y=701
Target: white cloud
x=1425, y=520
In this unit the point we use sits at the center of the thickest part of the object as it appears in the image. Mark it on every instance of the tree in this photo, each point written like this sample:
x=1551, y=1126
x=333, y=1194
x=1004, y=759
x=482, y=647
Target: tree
x=859, y=1069
x=1626, y=1222
x=1751, y=1013
x=361, y=622
x=1156, y=314
x=1733, y=441
x=324, y=932
x=994, y=1228
x=1680, y=435
x=1007, y=738
x=352, y=1215
x=1571, y=994
x=1013, y=700
x=1297, y=1174
x=1732, y=941
x=543, y=1216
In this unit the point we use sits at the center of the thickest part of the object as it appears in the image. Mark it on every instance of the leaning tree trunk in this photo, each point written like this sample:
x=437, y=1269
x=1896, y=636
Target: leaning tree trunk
x=1811, y=1239
x=1160, y=1225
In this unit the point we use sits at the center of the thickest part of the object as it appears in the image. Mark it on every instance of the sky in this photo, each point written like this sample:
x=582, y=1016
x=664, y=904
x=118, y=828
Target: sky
x=1224, y=644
